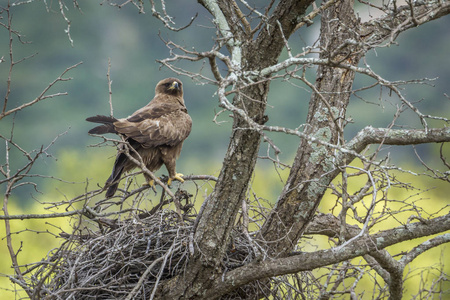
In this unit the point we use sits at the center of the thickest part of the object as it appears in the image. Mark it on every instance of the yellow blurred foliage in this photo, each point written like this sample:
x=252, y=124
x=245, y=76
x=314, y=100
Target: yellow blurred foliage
x=32, y=240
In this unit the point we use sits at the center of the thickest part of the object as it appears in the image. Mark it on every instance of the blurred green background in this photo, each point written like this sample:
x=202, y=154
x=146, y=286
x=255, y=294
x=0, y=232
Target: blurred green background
x=133, y=43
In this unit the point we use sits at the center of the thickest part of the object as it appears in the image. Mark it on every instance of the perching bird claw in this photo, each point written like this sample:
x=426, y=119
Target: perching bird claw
x=178, y=176
x=150, y=184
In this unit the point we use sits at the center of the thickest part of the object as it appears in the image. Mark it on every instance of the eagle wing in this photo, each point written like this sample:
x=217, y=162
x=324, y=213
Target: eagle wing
x=157, y=124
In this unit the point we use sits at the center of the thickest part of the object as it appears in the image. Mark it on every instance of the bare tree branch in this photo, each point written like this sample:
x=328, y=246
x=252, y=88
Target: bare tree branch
x=307, y=261
x=43, y=95
x=400, y=19
x=165, y=17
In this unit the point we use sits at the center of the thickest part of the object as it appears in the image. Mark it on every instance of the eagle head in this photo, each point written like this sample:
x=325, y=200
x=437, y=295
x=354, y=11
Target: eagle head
x=170, y=86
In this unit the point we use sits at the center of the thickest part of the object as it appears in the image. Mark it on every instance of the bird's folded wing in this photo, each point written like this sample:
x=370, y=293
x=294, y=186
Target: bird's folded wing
x=167, y=129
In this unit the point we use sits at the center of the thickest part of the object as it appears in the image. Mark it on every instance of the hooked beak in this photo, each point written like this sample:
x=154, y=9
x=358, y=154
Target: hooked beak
x=174, y=86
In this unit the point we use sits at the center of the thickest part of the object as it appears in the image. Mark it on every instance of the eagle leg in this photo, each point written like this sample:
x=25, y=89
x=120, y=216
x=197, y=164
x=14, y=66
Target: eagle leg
x=178, y=176
x=151, y=184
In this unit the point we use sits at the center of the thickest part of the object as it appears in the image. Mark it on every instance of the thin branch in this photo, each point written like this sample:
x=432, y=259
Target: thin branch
x=43, y=95
x=241, y=17
x=62, y=6
x=308, y=19
x=420, y=249
x=108, y=78
x=166, y=19
x=374, y=32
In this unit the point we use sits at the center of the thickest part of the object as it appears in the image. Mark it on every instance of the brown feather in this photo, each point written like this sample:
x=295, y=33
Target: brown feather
x=156, y=131
x=107, y=126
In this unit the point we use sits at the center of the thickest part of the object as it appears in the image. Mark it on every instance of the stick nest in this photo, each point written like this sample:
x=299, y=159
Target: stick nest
x=125, y=260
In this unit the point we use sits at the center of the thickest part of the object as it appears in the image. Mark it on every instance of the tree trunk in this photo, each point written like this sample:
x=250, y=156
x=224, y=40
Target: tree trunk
x=220, y=210
x=315, y=165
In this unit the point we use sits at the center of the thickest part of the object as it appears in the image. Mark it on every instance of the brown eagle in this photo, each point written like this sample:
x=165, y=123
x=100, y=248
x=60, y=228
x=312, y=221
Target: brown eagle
x=156, y=132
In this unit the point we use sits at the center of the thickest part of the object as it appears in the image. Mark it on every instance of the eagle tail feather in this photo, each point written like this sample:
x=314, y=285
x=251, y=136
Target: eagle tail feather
x=101, y=119
x=112, y=190
x=107, y=127
x=113, y=180
x=102, y=129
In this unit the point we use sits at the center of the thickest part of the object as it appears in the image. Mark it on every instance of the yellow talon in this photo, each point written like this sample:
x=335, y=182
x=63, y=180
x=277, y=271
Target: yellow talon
x=151, y=184
x=178, y=176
